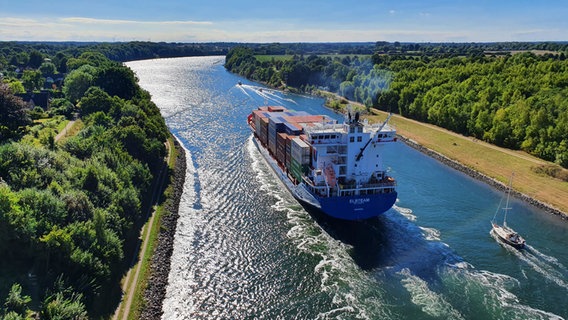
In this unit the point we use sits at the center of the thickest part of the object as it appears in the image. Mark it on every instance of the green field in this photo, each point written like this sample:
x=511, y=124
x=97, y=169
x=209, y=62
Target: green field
x=488, y=159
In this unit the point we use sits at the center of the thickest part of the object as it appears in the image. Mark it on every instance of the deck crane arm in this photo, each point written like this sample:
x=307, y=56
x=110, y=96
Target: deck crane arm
x=360, y=154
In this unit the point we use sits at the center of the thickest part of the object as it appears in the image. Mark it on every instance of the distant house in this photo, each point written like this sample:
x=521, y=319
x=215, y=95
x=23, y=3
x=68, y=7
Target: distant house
x=36, y=99
x=52, y=79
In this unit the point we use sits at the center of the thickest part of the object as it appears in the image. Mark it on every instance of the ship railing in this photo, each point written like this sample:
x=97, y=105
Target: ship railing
x=367, y=186
x=320, y=128
x=325, y=141
x=320, y=190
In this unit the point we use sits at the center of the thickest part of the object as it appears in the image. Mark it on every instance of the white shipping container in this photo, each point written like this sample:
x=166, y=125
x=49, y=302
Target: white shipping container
x=300, y=151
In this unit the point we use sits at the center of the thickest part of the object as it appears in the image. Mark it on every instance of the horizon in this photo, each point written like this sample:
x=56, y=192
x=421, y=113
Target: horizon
x=255, y=21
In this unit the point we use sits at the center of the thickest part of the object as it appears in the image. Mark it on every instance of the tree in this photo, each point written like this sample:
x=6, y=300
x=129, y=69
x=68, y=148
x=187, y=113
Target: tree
x=13, y=115
x=60, y=61
x=96, y=100
x=16, y=87
x=32, y=80
x=15, y=301
x=77, y=82
x=47, y=69
x=117, y=80
x=64, y=306
x=36, y=59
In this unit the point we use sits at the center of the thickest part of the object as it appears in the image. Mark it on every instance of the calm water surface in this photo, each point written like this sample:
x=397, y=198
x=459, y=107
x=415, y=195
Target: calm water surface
x=245, y=249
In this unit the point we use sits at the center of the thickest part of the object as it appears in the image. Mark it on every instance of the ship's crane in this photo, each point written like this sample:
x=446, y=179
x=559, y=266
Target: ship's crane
x=360, y=154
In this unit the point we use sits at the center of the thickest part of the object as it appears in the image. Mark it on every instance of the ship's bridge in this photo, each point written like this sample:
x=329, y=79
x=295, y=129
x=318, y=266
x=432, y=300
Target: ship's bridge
x=325, y=134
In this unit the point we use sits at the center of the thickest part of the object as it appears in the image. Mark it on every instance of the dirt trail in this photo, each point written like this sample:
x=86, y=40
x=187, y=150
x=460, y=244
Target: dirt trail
x=64, y=131
x=129, y=285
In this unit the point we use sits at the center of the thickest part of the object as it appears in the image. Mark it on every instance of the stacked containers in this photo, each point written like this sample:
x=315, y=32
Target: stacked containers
x=263, y=134
x=281, y=147
x=275, y=126
x=288, y=151
x=300, y=152
x=261, y=123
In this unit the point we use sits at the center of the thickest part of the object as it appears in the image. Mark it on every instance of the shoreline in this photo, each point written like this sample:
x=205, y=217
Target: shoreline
x=155, y=292
x=482, y=177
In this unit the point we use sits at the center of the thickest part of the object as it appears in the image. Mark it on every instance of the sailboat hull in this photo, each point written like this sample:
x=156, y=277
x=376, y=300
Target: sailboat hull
x=508, y=236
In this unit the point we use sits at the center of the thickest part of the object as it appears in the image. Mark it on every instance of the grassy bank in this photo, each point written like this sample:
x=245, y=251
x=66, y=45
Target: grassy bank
x=133, y=301
x=497, y=163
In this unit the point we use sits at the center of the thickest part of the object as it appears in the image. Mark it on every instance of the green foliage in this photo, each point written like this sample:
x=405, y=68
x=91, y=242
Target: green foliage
x=61, y=106
x=32, y=80
x=519, y=102
x=35, y=60
x=47, y=69
x=16, y=302
x=88, y=58
x=13, y=115
x=68, y=207
x=64, y=303
x=117, y=80
x=78, y=81
x=351, y=76
x=95, y=100
x=16, y=86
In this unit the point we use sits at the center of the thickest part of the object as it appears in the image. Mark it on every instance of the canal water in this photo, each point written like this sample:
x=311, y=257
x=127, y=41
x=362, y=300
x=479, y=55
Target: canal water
x=245, y=249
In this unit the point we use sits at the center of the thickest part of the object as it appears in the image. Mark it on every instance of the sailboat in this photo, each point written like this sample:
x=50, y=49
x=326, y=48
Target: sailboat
x=504, y=232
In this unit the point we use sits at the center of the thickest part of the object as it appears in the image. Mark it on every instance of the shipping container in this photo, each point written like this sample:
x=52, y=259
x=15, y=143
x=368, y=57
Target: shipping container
x=281, y=147
x=276, y=109
x=288, y=151
x=272, y=144
x=297, y=169
x=293, y=129
x=300, y=151
x=263, y=134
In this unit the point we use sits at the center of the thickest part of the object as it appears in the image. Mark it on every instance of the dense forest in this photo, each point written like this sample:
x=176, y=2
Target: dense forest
x=515, y=100
x=20, y=54
x=69, y=208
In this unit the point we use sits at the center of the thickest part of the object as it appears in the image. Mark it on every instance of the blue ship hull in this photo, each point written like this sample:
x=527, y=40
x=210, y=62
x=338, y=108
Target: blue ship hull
x=357, y=207
x=345, y=208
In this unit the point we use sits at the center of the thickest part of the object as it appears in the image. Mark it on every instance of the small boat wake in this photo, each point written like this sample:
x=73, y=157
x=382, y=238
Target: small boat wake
x=549, y=267
x=264, y=93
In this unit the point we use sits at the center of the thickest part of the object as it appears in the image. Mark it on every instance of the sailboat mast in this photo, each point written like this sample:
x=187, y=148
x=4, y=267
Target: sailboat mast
x=507, y=208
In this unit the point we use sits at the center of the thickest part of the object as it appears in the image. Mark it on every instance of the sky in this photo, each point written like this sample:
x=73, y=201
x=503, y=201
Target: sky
x=284, y=21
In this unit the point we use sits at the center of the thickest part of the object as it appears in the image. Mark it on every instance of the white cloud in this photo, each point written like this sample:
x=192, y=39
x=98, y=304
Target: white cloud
x=82, y=20
x=90, y=29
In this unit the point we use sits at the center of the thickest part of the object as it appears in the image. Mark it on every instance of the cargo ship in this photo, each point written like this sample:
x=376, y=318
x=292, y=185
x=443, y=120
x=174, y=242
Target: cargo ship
x=332, y=167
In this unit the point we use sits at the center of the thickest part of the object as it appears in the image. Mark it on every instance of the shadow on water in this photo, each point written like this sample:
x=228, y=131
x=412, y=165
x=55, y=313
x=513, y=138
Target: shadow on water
x=392, y=241
x=368, y=238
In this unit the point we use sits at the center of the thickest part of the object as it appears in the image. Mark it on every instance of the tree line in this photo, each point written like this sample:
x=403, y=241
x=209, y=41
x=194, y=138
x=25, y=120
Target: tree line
x=69, y=210
x=517, y=101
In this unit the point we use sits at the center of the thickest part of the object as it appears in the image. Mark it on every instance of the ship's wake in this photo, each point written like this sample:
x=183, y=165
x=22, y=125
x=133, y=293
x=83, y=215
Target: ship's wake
x=359, y=262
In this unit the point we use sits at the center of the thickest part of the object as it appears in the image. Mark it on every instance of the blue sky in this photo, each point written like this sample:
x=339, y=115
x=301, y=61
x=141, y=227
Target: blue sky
x=284, y=21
